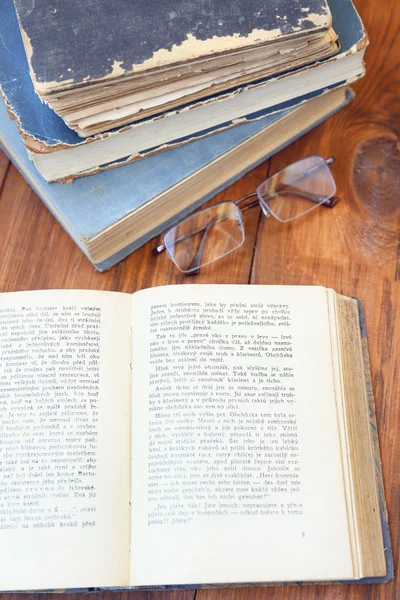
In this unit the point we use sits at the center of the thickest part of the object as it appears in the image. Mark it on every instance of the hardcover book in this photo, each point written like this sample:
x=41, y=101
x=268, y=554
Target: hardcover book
x=187, y=435
x=112, y=213
x=152, y=57
x=60, y=154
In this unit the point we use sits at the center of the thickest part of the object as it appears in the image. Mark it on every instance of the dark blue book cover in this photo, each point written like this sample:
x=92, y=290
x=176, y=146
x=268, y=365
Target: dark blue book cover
x=76, y=42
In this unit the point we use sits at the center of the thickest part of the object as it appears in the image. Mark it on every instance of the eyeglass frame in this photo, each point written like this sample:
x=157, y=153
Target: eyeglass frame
x=329, y=202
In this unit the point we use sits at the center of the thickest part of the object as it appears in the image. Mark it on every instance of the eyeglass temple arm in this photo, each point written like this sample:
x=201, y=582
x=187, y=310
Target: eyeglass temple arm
x=329, y=202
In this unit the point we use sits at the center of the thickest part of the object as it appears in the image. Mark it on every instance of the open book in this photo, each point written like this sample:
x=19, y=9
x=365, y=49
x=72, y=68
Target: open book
x=192, y=434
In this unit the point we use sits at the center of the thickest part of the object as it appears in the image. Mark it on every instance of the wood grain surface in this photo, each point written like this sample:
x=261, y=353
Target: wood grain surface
x=354, y=248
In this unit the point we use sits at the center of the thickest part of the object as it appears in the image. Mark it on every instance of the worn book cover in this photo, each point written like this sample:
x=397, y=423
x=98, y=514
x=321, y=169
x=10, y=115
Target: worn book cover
x=70, y=43
x=102, y=65
x=45, y=134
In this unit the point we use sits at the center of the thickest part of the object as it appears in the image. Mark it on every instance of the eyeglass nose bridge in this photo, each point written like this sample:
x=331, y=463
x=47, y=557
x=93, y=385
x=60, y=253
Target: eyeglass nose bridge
x=264, y=206
x=258, y=201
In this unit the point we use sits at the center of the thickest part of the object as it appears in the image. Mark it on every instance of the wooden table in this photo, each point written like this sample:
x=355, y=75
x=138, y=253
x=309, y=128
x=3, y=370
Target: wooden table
x=355, y=250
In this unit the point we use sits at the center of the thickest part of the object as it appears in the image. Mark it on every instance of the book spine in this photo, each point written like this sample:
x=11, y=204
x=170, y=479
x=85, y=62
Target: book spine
x=377, y=457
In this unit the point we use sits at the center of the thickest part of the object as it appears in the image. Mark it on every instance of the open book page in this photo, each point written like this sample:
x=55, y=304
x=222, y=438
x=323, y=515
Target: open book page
x=236, y=473
x=64, y=422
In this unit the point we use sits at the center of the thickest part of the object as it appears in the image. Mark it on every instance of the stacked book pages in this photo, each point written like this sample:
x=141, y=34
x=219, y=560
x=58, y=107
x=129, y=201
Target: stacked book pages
x=184, y=101
x=154, y=57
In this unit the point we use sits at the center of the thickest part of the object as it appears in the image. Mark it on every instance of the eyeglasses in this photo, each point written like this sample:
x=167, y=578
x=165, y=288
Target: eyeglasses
x=210, y=234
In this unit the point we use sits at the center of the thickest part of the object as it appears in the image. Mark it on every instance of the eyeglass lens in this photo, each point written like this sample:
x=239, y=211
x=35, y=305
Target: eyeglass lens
x=205, y=236
x=297, y=189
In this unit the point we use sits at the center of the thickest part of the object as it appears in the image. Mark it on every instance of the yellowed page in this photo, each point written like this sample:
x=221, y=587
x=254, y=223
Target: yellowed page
x=236, y=458
x=64, y=422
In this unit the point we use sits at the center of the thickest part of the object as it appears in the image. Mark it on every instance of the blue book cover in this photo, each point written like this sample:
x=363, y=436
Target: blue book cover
x=45, y=133
x=110, y=201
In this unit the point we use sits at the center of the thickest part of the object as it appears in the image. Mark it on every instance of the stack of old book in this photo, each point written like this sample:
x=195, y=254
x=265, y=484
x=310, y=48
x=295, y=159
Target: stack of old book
x=186, y=96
